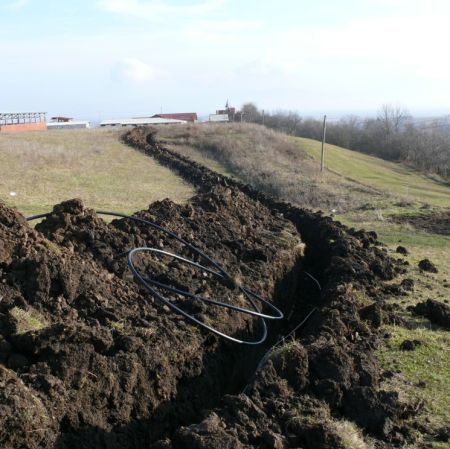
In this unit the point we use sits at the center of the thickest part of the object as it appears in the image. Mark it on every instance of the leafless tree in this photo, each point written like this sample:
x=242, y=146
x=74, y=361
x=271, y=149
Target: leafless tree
x=391, y=135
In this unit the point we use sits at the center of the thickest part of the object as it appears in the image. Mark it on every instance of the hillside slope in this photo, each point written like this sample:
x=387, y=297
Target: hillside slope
x=269, y=161
x=380, y=174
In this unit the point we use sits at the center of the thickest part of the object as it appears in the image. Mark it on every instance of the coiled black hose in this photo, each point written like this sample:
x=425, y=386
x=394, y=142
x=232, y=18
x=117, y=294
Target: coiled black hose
x=221, y=274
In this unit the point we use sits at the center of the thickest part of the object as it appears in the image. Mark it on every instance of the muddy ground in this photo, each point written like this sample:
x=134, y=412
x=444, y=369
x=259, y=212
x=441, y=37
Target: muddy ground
x=433, y=223
x=88, y=359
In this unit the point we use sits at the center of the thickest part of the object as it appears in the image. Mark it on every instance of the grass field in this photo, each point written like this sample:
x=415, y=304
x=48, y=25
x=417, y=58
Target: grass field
x=379, y=174
x=44, y=168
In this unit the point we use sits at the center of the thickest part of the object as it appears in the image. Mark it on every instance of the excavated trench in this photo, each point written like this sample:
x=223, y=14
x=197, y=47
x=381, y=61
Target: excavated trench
x=89, y=360
x=227, y=370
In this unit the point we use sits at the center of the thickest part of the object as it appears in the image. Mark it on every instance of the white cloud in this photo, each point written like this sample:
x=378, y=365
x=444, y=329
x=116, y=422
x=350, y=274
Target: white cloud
x=409, y=4
x=134, y=71
x=410, y=46
x=221, y=31
x=17, y=4
x=157, y=10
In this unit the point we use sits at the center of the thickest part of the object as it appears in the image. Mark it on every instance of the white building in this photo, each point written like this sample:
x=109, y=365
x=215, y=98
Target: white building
x=219, y=118
x=141, y=121
x=72, y=124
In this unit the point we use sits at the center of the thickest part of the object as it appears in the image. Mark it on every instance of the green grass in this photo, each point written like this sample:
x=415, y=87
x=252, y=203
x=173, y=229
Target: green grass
x=380, y=174
x=420, y=244
x=429, y=363
x=45, y=168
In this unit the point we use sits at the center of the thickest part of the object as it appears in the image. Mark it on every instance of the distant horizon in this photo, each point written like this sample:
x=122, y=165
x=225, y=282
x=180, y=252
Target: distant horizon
x=331, y=115
x=105, y=58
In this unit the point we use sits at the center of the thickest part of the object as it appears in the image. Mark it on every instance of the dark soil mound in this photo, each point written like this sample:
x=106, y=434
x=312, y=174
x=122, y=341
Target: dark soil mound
x=427, y=265
x=437, y=312
x=402, y=250
x=89, y=359
x=92, y=345
x=410, y=345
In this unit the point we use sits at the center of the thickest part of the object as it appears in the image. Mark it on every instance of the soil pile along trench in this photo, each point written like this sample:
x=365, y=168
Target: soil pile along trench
x=89, y=359
x=99, y=355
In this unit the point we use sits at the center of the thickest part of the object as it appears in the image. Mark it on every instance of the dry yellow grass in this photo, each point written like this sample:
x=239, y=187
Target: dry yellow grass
x=268, y=160
x=45, y=168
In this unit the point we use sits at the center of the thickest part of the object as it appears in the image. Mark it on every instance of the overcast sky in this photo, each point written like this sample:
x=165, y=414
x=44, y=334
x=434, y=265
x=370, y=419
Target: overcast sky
x=114, y=58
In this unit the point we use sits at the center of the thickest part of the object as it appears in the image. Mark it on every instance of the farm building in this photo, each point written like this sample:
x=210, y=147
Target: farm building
x=219, y=118
x=229, y=114
x=186, y=116
x=61, y=119
x=141, y=121
x=67, y=123
x=16, y=122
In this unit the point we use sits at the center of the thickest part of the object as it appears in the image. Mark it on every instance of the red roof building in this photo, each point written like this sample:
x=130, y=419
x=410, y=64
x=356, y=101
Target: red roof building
x=60, y=119
x=186, y=116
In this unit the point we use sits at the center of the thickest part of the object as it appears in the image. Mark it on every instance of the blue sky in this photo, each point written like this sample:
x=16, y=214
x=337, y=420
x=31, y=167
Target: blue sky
x=113, y=58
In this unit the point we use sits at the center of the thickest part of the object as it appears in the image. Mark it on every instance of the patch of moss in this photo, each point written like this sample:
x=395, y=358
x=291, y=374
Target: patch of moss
x=26, y=321
x=52, y=247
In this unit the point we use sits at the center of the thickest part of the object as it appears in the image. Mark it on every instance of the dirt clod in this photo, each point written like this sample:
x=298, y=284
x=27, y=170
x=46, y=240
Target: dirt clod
x=410, y=345
x=437, y=312
x=427, y=265
x=407, y=284
x=402, y=250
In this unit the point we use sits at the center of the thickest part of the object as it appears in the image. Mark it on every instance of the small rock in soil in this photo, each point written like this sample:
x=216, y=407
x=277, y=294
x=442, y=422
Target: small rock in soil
x=211, y=424
x=271, y=440
x=427, y=265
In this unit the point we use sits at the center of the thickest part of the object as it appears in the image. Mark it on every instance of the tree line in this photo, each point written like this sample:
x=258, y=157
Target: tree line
x=393, y=135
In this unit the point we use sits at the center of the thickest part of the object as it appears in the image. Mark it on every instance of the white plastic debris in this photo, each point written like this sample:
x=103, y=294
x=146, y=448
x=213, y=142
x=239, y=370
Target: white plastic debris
x=13, y=193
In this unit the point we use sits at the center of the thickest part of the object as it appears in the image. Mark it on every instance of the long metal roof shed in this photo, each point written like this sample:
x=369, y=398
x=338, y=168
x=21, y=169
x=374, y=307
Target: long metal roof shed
x=13, y=118
x=140, y=122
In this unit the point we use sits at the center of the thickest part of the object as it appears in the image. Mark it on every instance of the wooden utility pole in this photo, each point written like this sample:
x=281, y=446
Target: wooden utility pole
x=322, y=159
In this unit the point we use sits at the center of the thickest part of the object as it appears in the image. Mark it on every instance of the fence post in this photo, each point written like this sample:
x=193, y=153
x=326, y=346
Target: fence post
x=322, y=158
